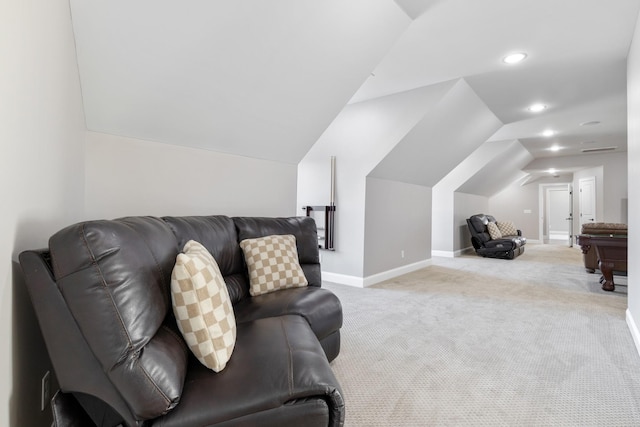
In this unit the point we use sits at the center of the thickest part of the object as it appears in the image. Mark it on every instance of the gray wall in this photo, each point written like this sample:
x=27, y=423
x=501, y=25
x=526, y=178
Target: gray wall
x=397, y=219
x=128, y=176
x=360, y=137
x=610, y=171
x=42, y=175
x=511, y=204
x=633, y=99
x=466, y=205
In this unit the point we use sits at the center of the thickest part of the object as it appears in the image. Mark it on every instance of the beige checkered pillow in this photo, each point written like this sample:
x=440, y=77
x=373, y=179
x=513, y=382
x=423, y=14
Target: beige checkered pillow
x=273, y=264
x=202, y=306
x=507, y=228
x=494, y=231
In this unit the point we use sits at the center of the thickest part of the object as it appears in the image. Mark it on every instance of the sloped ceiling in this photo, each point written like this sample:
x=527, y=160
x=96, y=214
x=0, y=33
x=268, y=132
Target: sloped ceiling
x=472, y=164
x=254, y=78
x=501, y=171
x=576, y=65
x=363, y=135
x=415, y=8
x=266, y=79
x=447, y=134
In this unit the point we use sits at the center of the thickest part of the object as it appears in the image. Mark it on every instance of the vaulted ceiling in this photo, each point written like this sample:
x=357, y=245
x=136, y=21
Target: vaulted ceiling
x=255, y=78
x=265, y=79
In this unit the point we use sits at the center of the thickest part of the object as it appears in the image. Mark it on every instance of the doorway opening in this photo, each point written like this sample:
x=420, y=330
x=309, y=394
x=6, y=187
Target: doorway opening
x=556, y=214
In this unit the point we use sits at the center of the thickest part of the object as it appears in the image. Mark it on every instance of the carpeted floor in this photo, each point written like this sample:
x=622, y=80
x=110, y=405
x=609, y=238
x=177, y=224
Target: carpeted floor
x=472, y=341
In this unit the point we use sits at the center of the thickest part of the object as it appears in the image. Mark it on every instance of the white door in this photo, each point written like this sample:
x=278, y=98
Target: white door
x=559, y=215
x=587, y=200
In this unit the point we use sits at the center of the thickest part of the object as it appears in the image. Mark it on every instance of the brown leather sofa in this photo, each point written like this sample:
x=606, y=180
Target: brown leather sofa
x=599, y=228
x=101, y=293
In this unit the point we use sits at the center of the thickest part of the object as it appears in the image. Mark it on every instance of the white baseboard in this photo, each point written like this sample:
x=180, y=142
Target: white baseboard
x=558, y=237
x=445, y=254
x=390, y=274
x=452, y=254
x=361, y=282
x=633, y=328
x=343, y=279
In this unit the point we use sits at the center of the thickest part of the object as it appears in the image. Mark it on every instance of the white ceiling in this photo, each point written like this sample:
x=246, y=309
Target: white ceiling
x=256, y=78
x=265, y=79
x=421, y=157
x=576, y=65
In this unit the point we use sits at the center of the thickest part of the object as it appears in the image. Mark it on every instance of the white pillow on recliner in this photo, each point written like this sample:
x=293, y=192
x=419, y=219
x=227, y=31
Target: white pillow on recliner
x=494, y=231
x=507, y=228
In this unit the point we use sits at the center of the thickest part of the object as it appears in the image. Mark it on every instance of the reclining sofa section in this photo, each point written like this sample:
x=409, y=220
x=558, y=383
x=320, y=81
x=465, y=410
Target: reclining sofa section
x=102, y=296
x=506, y=247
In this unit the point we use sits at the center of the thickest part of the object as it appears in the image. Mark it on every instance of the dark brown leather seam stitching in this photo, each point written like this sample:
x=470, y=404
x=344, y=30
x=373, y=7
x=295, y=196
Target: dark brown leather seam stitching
x=290, y=356
x=94, y=262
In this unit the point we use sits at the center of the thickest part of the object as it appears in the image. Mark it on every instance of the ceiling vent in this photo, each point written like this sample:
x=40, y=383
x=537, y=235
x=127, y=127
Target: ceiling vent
x=597, y=150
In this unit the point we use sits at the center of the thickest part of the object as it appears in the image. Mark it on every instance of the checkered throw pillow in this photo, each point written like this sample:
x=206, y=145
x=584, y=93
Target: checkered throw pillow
x=507, y=228
x=202, y=306
x=494, y=231
x=273, y=264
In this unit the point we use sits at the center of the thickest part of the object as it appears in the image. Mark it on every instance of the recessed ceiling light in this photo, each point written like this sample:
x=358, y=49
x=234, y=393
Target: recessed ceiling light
x=552, y=171
x=514, y=58
x=536, y=108
x=548, y=133
x=591, y=123
x=555, y=148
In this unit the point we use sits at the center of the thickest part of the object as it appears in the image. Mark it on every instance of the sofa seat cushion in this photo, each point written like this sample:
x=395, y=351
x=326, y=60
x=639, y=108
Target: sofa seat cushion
x=277, y=362
x=320, y=307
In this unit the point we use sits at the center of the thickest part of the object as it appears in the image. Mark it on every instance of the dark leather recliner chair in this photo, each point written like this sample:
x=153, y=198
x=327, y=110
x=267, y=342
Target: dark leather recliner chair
x=507, y=247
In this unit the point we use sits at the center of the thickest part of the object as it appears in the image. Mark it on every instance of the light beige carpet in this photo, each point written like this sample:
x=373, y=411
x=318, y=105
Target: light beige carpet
x=473, y=341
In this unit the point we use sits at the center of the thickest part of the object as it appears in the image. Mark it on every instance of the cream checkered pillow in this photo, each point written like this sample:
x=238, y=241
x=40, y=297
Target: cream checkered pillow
x=507, y=228
x=494, y=231
x=202, y=306
x=273, y=264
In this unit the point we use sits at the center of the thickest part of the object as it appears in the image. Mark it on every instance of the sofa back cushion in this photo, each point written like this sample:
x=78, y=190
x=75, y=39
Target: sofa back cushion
x=478, y=226
x=304, y=230
x=115, y=278
x=218, y=234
